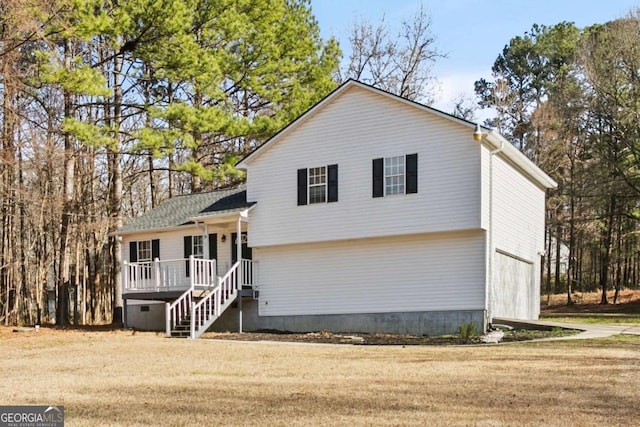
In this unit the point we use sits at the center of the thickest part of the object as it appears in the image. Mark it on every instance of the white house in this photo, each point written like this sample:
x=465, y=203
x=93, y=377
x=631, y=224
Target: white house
x=369, y=213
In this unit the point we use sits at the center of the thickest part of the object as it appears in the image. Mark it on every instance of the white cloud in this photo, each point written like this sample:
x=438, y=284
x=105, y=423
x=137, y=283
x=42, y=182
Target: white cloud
x=453, y=85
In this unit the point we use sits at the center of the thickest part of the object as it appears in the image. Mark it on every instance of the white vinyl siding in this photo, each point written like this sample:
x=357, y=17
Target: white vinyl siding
x=353, y=129
x=396, y=274
x=518, y=237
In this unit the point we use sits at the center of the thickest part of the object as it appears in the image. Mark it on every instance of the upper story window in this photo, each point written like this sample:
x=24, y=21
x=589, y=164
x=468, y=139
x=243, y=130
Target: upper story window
x=395, y=175
x=318, y=185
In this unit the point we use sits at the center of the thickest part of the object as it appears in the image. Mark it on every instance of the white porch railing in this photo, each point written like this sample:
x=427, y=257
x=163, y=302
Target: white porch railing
x=168, y=275
x=178, y=311
x=209, y=308
x=249, y=273
x=196, y=316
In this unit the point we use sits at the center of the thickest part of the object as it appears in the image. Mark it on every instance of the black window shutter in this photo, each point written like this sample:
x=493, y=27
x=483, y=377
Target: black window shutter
x=412, y=173
x=155, y=249
x=133, y=251
x=187, y=252
x=378, y=177
x=332, y=181
x=302, y=187
x=213, y=246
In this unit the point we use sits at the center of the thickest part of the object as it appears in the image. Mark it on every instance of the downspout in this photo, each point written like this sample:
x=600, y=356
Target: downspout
x=492, y=249
x=239, y=271
x=479, y=135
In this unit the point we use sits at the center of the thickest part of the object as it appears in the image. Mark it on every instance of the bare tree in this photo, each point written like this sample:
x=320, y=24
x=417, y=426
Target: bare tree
x=401, y=65
x=465, y=107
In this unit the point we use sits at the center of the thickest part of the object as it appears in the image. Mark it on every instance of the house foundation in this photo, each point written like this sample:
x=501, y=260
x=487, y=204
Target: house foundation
x=431, y=323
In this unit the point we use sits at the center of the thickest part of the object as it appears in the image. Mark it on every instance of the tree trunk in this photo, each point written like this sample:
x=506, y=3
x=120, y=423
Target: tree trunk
x=62, y=308
x=115, y=193
x=605, y=253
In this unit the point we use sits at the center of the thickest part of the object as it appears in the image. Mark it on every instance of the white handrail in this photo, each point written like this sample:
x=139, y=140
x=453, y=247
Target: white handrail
x=209, y=308
x=178, y=310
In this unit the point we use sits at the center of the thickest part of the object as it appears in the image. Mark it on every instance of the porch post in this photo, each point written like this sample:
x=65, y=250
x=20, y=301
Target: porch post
x=124, y=313
x=156, y=265
x=239, y=271
x=125, y=276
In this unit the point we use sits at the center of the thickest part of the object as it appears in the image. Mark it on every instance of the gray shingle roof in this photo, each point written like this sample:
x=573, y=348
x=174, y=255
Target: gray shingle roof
x=176, y=211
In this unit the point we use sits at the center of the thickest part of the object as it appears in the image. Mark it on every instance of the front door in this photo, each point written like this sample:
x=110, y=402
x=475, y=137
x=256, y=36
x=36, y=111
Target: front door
x=247, y=252
x=246, y=271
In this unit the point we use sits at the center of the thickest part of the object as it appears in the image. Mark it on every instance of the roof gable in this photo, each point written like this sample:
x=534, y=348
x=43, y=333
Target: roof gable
x=337, y=93
x=181, y=210
x=492, y=139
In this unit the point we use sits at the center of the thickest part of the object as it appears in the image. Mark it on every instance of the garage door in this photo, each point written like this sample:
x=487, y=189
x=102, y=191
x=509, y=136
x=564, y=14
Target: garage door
x=512, y=295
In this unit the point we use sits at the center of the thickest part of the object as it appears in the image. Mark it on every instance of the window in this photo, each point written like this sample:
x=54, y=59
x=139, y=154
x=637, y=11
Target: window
x=198, y=247
x=194, y=245
x=318, y=185
x=144, y=251
x=395, y=175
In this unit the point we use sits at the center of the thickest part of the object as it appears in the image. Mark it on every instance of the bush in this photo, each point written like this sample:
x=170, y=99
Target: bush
x=468, y=330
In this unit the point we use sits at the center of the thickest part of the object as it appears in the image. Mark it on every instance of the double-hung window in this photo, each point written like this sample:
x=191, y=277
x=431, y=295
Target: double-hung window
x=197, y=246
x=395, y=175
x=318, y=184
x=144, y=251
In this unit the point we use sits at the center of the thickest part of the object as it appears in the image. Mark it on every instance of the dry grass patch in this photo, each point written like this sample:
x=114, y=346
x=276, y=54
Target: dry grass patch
x=116, y=378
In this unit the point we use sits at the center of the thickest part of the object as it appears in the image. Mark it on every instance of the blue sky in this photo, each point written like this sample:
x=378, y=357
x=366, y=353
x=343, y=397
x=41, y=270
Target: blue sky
x=471, y=32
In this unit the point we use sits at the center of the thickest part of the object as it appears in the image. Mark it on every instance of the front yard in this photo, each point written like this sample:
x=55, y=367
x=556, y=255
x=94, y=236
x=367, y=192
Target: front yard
x=125, y=378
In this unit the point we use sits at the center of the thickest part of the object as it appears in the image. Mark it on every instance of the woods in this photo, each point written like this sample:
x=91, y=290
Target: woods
x=110, y=107
x=568, y=98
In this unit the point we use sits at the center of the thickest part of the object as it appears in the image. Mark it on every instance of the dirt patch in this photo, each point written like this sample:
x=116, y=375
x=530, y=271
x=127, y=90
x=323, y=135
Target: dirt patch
x=326, y=337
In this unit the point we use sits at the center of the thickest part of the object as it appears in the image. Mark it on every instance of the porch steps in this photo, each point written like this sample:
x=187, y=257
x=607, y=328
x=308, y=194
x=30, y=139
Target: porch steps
x=191, y=314
x=183, y=328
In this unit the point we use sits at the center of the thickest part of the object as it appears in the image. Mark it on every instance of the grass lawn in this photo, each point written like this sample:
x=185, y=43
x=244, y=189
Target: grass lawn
x=595, y=318
x=121, y=378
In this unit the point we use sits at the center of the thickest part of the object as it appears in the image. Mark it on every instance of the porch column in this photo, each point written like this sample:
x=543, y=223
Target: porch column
x=124, y=313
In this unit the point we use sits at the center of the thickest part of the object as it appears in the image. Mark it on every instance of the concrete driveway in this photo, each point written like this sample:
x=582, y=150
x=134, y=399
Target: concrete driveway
x=589, y=330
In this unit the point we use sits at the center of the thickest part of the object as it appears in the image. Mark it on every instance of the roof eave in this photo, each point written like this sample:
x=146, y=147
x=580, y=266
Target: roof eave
x=520, y=160
x=226, y=216
x=152, y=230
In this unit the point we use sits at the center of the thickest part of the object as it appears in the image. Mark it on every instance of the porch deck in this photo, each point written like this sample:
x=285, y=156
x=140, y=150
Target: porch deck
x=167, y=279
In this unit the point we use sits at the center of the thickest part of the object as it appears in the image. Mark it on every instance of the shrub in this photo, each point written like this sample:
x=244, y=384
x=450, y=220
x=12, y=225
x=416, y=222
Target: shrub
x=468, y=330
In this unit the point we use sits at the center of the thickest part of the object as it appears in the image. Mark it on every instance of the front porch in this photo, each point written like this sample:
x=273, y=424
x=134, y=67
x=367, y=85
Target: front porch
x=192, y=254
x=194, y=295
x=166, y=279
